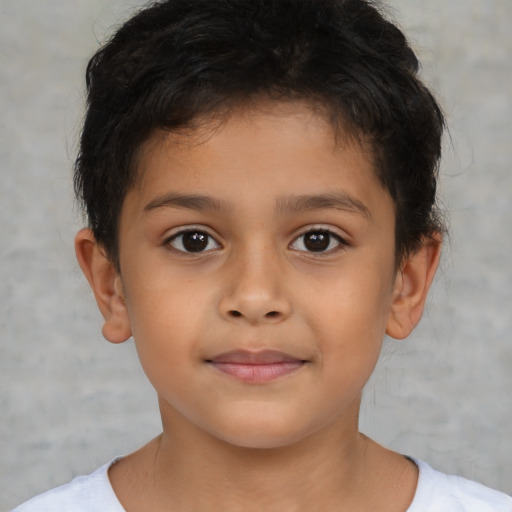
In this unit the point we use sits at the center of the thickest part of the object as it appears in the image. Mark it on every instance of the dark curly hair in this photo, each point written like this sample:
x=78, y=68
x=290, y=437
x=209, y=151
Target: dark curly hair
x=178, y=62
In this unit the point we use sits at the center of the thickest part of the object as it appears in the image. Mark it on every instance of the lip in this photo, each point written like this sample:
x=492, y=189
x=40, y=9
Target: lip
x=256, y=367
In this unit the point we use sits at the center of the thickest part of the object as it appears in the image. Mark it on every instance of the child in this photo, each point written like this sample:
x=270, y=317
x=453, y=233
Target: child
x=260, y=180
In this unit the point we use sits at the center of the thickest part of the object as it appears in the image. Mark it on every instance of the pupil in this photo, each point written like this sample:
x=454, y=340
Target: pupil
x=317, y=241
x=195, y=241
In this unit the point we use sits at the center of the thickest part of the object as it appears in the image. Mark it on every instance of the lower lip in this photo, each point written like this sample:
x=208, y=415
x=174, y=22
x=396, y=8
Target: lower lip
x=258, y=373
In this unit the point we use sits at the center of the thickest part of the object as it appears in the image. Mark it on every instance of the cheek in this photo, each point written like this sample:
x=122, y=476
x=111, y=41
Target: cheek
x=352, y=317
x=161, y=301
x=164, y=322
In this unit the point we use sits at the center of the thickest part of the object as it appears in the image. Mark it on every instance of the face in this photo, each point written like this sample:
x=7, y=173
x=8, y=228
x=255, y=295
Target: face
x=257, y=270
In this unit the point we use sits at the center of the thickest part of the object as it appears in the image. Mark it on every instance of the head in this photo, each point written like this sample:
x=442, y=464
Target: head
x=179, y=65
x=260, y=183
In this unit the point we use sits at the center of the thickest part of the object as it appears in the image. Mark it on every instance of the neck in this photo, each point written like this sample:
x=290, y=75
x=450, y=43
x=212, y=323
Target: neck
x=330, y=470
x=265, y=478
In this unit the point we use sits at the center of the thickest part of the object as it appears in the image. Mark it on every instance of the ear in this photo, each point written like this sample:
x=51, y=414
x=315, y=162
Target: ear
x=411, y=286
x=106, y=284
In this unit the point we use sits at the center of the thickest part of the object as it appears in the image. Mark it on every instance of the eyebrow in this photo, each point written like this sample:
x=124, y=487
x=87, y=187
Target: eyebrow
x=190, y=201
x=294, y=204
x=335, y=201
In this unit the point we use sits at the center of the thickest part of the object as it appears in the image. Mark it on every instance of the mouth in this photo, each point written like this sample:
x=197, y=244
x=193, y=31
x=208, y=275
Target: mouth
x=256, y=367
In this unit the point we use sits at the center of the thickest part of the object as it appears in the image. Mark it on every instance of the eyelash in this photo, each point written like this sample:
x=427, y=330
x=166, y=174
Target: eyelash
x=330, y=236
x=203, y=236
x=204, y=240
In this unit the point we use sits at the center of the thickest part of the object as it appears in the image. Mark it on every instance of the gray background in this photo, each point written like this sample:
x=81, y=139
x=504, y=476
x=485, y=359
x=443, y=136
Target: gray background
x=70, y=401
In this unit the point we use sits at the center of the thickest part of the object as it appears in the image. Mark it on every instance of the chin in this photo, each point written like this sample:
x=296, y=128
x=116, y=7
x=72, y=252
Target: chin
x=261, y=441
x=261, y=435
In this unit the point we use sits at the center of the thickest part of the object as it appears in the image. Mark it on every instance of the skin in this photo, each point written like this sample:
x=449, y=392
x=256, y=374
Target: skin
x=270, y=175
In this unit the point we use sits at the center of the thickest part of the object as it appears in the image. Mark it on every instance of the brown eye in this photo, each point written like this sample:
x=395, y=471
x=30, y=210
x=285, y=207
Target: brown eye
x=320, y=240
x=193, y=241
x=317, y=241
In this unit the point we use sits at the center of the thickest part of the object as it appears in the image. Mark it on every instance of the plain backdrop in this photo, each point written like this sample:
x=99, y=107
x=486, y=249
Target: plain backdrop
x=69, y=401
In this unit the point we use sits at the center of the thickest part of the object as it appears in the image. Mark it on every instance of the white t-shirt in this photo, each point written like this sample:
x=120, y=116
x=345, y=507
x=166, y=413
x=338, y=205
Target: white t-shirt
x=436, y=492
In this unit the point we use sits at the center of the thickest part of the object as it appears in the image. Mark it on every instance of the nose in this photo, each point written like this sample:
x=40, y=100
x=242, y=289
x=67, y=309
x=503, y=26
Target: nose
x=254, y=289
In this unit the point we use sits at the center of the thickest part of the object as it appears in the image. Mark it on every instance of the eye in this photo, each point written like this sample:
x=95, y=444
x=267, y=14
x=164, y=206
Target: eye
x=193, y=240
x=318, y=240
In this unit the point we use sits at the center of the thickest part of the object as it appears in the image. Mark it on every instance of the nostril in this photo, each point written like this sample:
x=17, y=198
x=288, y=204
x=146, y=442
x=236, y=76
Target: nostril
x=235, y=313
x=272, y=314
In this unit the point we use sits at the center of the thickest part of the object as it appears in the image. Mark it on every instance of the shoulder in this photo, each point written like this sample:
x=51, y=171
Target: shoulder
x=91, y=493
x=437, y=492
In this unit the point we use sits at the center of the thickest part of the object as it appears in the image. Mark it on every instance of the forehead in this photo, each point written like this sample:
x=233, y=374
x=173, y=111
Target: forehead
x=257, y=153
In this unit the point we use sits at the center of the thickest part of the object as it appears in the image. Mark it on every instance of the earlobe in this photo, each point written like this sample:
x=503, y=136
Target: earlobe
x=411, y=287
x=106, y=284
